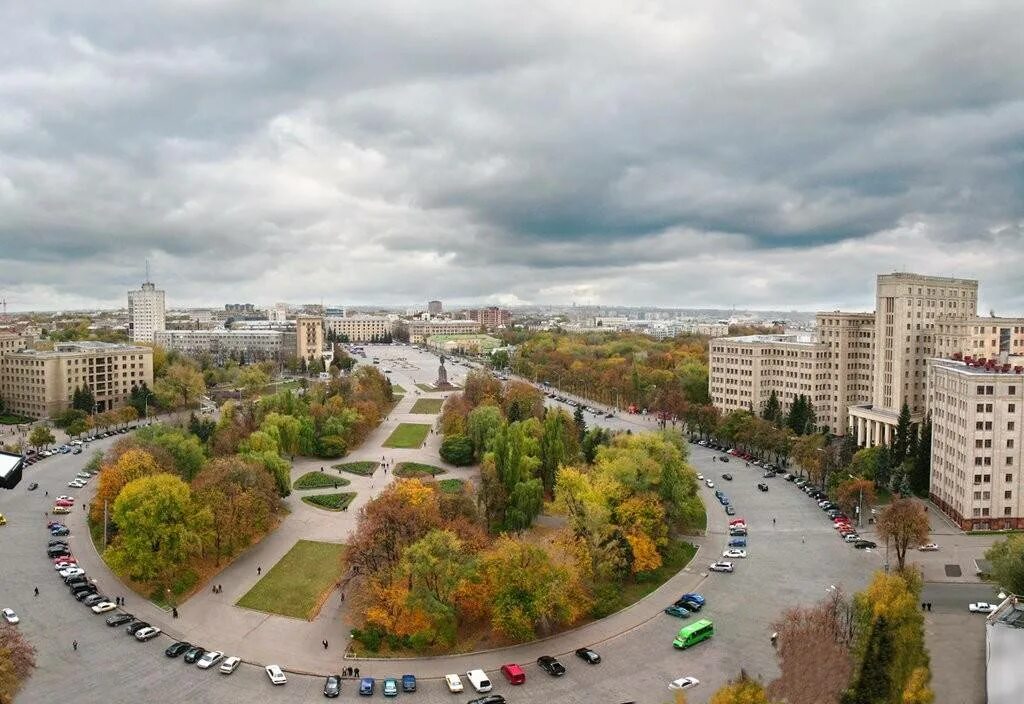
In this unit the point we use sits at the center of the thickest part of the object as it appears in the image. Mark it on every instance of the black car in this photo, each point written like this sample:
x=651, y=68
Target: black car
x=727, y=477
x=80, y=593
x=55, y=542
x=92, y=599
x=861, y=544
x=33, y=486
x=489, y=699
x=78, y=582
x=723, y=458
x=730, y=510
x=689, y=604
x=58, y=551
x=135, y=626
x=193, y=654
x=119, y=619
x=762, y=486
x=332, y=686
x=68, y=580
x=176, y=649
x=589, y=655
x=63, y=530
x=551, y=666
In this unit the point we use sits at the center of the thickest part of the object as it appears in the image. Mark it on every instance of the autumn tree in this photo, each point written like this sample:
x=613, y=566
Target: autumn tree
x=180, y=387
x=41, y=437
x=903, y=523
x=855, y=494
x=481, y=425
x=160, y=527
x=742, y=690
x=530, y=594
x=520, y=401
x=1007, y=558
x=809, y=452
x=557, y=446
x=17, y=659
x=242, y=499
x=184, y=448
x=395, y=519
x=480, y=386
x=134, y=463
x=814, y=650
x=252, y=379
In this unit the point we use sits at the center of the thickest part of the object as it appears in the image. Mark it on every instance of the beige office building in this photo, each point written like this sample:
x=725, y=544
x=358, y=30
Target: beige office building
x=359, y=328
x=12, y=342
x=309, y=337
x=242, y=345
x=420, y=330
x=977, y=412
x=40, y=384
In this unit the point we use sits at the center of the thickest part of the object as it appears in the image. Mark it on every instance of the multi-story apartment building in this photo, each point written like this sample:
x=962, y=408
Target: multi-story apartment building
x=979, y=337
x=490, y=317
x=248, y=345
x=40, y=384
x=435, y=307
x=420, y=330
x=309, y=337
x=847, y=365
x=359, y=328
x=146, y=313
x=977, y=412
x=11, y=342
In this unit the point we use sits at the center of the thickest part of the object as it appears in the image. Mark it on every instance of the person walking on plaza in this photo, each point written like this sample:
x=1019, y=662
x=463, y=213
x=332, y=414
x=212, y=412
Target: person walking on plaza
x=74, y=645
x=259, y=570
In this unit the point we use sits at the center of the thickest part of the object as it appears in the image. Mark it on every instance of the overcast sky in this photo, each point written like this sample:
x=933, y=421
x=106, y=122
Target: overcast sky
x=763, y=154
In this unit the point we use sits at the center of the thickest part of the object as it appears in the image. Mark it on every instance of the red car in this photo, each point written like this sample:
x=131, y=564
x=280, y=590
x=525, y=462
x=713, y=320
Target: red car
x=63, y=502
x=64, y=558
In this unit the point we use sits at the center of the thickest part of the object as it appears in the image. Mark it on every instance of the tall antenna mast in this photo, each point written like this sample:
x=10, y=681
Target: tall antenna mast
x=147, y=270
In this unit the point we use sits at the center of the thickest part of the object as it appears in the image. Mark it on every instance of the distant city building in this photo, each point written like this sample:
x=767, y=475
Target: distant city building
x=202, y=318
x=358, y=328
x=240, y=345
x=467, y=344
x=278, y=314
x=672, y=328
x=491, y=317
x=240, y=309
x=40, y=384
x=309, y=337
x=12, y=342
x=147, y=313
x=420, y=330
x=435, y=307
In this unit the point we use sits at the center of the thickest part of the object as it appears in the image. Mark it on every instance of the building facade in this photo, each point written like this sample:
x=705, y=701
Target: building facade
x=147, y=312
x=491, y=317
x=977, y=413
x=40, y=384
x=309, y=337
x=12, y=342
x=467, y=344
x=420, y=330
x=241, y=345
x=435, y=307
x=358, y=328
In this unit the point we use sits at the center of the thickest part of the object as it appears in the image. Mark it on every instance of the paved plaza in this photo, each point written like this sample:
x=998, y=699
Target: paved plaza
x=793, y=560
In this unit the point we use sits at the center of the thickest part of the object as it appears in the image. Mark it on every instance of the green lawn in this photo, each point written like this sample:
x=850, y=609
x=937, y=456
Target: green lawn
x=408, y=435
x=408, y=470
x=12, y=419
x=298, y=585
x=319, y=480
x=425, y=387
x=451, y=486
x=363, y=469
x=427, y=405
x=397, y=388
x=330, y=502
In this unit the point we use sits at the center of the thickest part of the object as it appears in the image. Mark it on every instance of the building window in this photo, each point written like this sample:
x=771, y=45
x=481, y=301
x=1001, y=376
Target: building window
x=1009, y=461
x=1006, y=511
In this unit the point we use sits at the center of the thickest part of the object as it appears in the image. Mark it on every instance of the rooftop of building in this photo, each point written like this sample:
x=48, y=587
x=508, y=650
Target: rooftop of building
x=72, y=348
x=980, y=366
x=462, y=336
x=1010, y=613
x=926, y=278
x=9, y=462
x=222, y=331
x=779, y=338
x=845, y=314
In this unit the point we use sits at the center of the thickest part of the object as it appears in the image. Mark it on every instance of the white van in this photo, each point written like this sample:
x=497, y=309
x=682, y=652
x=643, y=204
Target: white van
x=478, y=678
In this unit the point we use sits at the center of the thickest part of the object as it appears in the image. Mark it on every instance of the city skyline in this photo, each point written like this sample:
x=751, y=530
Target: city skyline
x=717, y=156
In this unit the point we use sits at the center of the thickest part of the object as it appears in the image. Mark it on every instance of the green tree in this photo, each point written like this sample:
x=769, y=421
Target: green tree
x=554, y=447
x=184, y=448
x=83, y=400
x=580, y=421
x=160, y=528
x=499, y=359
x=592, y=440
x=1007, y=558
x=512, y=496
x=287, y=430
x=141, y=398
x=68, y=417
x=872, y=682
x=481, y=425
x=772, y=409
x=181, y=387
x=252, y=379
x=41, y=437
x=901, y=441
x=457, y=450
x=921, y=470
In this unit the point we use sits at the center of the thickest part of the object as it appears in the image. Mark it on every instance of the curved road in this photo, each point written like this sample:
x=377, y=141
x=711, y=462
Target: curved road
x=792, y=562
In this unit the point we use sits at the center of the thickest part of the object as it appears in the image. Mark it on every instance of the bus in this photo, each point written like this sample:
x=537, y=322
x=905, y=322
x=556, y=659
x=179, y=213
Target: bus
x=694, y=633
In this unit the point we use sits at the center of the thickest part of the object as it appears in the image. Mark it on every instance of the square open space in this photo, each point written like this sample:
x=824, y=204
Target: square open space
x=408, y=435
x=299, y=583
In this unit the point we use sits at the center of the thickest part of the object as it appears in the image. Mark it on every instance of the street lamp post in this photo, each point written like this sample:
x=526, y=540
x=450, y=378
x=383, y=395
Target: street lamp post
x=860, y=504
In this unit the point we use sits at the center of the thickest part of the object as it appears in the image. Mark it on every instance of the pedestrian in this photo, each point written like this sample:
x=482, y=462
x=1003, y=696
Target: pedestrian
x=74, y=645
x=321, y=469
x=325, y=644
x=773, y=520
x=37, y=593
x=335, y=485
x=214, y=590
x=343, y=597
x=259, y=570
x=929, y=606
x=357, y=672
x=803, y=539
x=924, y=606
x=174, y=612
x=46, y=493
x=220, y=588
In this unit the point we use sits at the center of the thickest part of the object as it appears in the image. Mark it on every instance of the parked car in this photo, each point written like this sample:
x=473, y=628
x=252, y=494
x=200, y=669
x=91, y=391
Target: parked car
x=489, y=699
x=276, y=674
x=390, y=687
x=178, y=649
x=727, y=477
x=332, y=686
x=10, y=616
x=981, y=607
x=193, y=654
x=551, y=665
x=148, y=633
x=738, y=543
x=366, y=686
x=861, y=544
x=928, y=547
x=134, y=627
x=33, y=486
x=735, y=553
x=684, y=683
x=721, y=566
x=478, y=679
x=762, y=486
x=453, y=682
x=588, y=655
x=729, y=510
x=230, y=665
x=513, y=673
x=120, y=620
x=209, y=659
x=408, y=683
x=677, y=611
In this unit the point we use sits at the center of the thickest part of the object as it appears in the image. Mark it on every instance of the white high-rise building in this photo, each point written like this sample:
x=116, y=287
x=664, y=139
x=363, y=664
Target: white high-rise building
x=146, y=313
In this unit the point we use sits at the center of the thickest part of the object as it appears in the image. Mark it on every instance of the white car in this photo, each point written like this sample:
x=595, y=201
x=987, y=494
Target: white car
x=981, y=607
x=478, y=678
x=734, y=553
x=147, y=633
x=453, y=682
x=851, y=538
x=71, y=572
x=103, y=607
x=230, y=665
x=61, y=566
x=684, y=683
x=76, y=484
x=700, y=477
x=709, y=484
x=722, y=566
x=928, y=547
x=275, y=674
x=10, y=616
x=209, y=659
x=65, y=498
x=84, y=476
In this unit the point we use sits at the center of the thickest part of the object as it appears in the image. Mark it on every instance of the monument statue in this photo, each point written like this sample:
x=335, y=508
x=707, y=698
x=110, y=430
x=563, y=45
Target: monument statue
x=442, y=377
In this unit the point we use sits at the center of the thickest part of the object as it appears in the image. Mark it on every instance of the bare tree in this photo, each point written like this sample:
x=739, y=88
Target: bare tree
x=904, y=523
x=17, y=658
x=814, y=651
